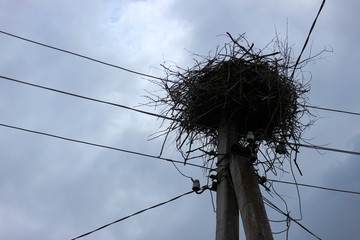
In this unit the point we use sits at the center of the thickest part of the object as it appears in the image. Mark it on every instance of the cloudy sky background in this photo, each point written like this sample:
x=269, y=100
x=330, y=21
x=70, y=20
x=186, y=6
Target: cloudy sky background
x=53, y=189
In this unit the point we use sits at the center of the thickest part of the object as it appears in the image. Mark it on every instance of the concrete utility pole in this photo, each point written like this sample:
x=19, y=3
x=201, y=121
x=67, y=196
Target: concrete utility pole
x=238, y=189
x=249, y=198
x=227, y=210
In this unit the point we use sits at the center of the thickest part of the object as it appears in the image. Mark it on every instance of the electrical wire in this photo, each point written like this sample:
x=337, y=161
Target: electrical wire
x=101, y=146
x=154, y=114
x=79, y=55
x=121, y=219
x=297, y=187
x=333, y=110
x=181, y=173
x=84, y=97
x=308, y=37
x=154, y=77
x=325, y=148
x=314, y=186
x=273, y=206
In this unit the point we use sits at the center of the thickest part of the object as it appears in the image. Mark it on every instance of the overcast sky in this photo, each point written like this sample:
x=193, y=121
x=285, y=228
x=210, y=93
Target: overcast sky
x=54, y=189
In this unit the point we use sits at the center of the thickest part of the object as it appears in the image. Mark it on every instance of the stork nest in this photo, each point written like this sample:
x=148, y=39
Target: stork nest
x=241, y=83
x=251, y=92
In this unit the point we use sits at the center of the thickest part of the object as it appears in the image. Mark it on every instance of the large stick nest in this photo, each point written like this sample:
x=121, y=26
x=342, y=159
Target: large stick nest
x=250, y=91
x=241, y=83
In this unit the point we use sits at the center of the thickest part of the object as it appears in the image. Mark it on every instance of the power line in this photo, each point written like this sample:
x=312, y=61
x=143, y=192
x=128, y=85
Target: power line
x=150, y=76
x=313, y=186
x=308, y=37
x=325, y=148
x=121, y=219
x=156, y=115
x=99, y=145
x=78, y=55
x=134, y=109
x=145, y=112
x=95, y=100
x=287, y=215
x=333, y=110
x=84, y=97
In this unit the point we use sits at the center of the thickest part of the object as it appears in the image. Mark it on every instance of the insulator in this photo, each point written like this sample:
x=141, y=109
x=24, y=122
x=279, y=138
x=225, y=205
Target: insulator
x=250, y=137
x=196, y=185
x=214, y=186
x=281, y=148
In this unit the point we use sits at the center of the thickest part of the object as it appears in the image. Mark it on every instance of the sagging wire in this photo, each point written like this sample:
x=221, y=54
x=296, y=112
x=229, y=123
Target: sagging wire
x=289, y=218
x=287, y=210
x=182, y=172
x=297, y=188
